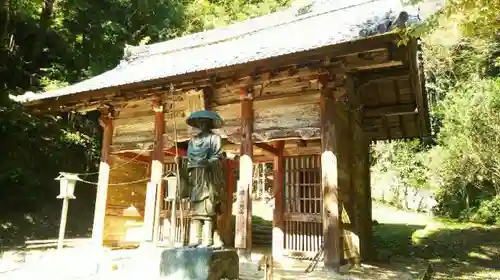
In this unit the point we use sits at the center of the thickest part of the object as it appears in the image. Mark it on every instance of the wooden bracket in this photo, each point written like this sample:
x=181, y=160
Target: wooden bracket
x=268, y=148
x=158, y=108
x=107, y=114
x=246, y=93
x=279, y=146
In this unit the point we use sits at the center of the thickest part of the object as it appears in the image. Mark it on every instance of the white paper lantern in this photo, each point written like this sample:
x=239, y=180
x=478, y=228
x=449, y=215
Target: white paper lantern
x=67, y=182
x=171, y=186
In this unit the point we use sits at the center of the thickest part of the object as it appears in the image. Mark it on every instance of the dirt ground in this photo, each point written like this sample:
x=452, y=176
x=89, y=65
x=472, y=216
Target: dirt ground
x=405, y=243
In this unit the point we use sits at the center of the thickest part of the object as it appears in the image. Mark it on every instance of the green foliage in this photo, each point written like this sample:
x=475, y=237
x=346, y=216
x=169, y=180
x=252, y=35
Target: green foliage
x=407, y=159
x=488, y=212
x=476, y=18
x=462, y=167
x=205, y=15
x=52, y=43
x=29, y=143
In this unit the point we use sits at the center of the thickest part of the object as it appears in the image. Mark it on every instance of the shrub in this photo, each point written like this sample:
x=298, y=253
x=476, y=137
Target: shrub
x=488, y=212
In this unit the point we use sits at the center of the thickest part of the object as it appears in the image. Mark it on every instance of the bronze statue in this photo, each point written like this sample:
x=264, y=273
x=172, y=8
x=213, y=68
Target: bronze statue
x=203, y=179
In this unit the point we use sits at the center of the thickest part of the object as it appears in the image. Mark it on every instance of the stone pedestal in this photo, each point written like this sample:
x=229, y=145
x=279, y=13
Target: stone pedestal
x=199, y=264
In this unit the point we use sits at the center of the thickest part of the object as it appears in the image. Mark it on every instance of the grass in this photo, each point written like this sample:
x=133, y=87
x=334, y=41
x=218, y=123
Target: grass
x=456, y=250
x=462, y=251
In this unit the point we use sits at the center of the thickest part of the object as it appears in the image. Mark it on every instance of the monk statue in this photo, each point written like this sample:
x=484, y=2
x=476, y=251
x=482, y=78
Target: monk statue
x=204, y=181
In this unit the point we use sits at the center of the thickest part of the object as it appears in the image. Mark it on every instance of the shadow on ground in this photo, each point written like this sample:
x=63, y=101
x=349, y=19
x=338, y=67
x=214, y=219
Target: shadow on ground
x=453, y=251
x=462, y=250
x=19, y=225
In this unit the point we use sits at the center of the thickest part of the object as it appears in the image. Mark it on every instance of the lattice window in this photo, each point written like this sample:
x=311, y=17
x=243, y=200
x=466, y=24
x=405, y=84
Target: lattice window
x=310, y=190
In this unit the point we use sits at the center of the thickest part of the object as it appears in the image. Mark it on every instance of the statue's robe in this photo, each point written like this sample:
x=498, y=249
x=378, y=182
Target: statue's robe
x=203, y=176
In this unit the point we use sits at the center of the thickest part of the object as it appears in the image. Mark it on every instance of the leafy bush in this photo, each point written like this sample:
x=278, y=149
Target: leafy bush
x=462, y=167
x=488, y=212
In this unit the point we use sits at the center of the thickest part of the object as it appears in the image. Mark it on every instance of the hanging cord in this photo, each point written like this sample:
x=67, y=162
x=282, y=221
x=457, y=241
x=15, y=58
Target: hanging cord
x=173, y=218
x=115, y=167
x=116, y=184
x=142, y=152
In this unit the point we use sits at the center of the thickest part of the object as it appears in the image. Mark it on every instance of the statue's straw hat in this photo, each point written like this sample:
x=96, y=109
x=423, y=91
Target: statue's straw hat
x=217, y=121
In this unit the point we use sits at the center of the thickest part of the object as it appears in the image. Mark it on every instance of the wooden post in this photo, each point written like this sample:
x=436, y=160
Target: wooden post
x=367, y=223
x=243, y=235
x=347, y=137
x=225, y=221
x=330, y=184
x=62, y=226
x=157, y=165
x=228, y=221
x=279, y=201
x=106, y=121
x=154, y=186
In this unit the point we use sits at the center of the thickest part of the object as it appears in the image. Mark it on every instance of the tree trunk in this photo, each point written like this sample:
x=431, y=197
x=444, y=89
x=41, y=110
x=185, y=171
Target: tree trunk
x=44, y=24
x=4, y=32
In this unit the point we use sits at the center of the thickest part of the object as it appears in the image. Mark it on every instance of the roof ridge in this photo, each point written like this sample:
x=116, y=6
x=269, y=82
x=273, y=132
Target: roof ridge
x=130, y=55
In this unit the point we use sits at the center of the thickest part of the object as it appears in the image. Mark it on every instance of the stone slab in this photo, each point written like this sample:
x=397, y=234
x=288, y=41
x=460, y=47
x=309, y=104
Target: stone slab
x=199, y=264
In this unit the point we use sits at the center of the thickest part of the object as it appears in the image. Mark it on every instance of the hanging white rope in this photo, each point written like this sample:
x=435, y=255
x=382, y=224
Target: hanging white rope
x=142, y=152
x=116, y=184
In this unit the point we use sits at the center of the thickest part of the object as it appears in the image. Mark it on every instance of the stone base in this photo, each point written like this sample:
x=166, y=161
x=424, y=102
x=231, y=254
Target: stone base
x=199, y=264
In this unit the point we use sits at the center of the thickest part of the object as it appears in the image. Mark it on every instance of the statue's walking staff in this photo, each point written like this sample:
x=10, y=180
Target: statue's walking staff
x=173, y=217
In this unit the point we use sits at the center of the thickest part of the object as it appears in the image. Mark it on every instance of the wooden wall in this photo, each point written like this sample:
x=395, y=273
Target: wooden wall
x=295, y=117
x=125, y=203
x=134, y=127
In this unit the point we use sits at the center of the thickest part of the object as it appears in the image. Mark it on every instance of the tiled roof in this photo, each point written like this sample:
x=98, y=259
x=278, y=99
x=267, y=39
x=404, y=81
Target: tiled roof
x=296, y=29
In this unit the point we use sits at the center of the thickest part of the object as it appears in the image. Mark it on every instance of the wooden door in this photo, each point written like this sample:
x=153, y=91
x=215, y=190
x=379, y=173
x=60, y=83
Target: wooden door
x=303, y=205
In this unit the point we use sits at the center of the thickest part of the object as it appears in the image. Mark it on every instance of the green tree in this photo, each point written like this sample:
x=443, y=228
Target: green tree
x=461, y=51
x=51, y=43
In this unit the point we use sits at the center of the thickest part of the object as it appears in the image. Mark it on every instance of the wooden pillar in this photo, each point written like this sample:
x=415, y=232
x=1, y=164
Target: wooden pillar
x=157, y=166
x=225, y=221
x=153, y=191
x=349, y=151
x=208, y=96
x=366, y=223
x=243, y=234
x=333, y=251
x=106, y=121
x=360, y=185
x=279, y=201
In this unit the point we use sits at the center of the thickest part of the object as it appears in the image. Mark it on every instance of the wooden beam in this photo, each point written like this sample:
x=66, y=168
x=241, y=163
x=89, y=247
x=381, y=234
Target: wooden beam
x=394, y=73
x=332, y=232
x=106, y=122
x=268, y=148
x=243, y=235
x=278, y=241
x=392, y=110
